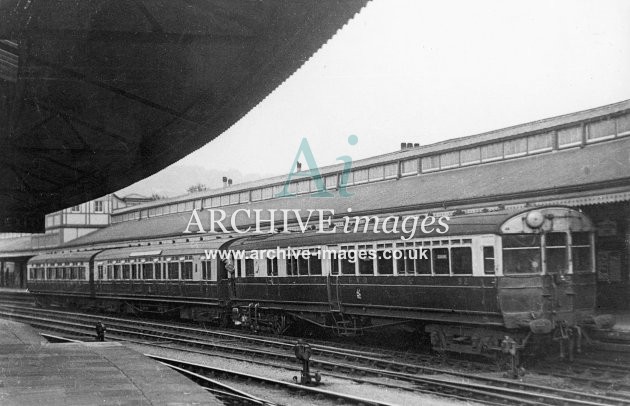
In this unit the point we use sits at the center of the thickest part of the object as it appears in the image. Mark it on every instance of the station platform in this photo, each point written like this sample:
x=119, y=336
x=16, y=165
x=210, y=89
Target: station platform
x=34, y=372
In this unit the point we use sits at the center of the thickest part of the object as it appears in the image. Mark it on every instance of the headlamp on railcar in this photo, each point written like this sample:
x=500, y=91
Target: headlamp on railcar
x=534, y=219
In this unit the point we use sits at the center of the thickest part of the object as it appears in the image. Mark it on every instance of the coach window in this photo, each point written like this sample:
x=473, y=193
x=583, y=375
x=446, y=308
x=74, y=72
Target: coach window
x=292, y=266
x=205, y=270
x=440, y=261
x=272, y=267
x=334, y=264
x=384, y=259
x=556, y=253
x=423, y=261
x=68, y=273
x=581, y=252
x=110, y=272
x=488, y=260
x=187, y=270
x=521, y=254
x=302, y=265
x=347, y=256
x=158, y=270
x=249, y=267
x=134, y=271
x=404, y=263
x=147, y=270
x=173, y=270
x=366, y=262
x=125, y=271
x=101, y=276
x=461, y=260
x=314, y=263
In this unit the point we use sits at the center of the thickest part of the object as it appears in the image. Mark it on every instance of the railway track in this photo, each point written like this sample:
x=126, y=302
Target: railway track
x=486, y=389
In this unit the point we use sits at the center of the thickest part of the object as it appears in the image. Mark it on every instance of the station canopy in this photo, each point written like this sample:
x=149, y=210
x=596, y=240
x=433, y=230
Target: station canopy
x=98, y=94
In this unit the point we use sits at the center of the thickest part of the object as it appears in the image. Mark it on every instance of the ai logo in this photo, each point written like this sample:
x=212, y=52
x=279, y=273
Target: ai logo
x=313, y=171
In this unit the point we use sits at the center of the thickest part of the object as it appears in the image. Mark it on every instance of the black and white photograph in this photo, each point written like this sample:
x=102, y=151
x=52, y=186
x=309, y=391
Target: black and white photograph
x=314, y=202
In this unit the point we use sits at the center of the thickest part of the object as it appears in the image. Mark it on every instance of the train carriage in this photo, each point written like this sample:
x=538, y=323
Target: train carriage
x=487, y=278
x=489, y=275
x=62, y=277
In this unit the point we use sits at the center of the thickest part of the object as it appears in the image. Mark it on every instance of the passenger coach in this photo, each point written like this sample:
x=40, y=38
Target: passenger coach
x=492, y=275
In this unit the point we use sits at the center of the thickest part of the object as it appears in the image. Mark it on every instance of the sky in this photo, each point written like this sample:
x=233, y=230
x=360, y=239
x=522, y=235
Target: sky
x=426, y=71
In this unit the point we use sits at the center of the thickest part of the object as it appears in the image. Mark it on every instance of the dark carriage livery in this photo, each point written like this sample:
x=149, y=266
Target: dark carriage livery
x=491, y=277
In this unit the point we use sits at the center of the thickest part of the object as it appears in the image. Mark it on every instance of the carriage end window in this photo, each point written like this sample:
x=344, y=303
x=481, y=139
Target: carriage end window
x=556, y=253
x=521, y=254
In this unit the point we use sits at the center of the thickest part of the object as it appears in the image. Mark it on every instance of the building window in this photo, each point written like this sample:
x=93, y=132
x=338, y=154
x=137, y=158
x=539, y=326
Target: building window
x=331, y=181
x=267, y=193
x=539, y=143
x=410, y=166
x=376, y=173
x=391, y=170
x=568, y=137
x=303, y=186
x=515, y=147
x=76, y=209
x=449, y=160
x=601, y=130
x=623, y=125
x=430, y=163
x=470, y=156
x=492, y=152
x=98, y=206
x=360, y=176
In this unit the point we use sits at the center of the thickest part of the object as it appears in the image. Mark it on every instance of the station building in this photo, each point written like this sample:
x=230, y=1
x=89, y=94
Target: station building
x=580, y=160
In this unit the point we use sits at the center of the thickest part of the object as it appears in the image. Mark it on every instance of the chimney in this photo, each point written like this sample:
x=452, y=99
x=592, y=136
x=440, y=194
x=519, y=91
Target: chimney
x=230, y=182
x=299, y=166
x=409, y=145
x=416, y=145
x=403, y=145
x=225, y=179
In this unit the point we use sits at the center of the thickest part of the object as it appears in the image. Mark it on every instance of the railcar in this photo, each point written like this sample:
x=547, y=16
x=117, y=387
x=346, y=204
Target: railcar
x=491, y=279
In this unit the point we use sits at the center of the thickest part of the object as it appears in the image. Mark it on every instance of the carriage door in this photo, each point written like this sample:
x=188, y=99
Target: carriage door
x=332, y=285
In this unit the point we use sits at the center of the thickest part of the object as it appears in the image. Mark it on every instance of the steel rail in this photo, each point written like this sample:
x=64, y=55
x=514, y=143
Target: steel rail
x=524, y=390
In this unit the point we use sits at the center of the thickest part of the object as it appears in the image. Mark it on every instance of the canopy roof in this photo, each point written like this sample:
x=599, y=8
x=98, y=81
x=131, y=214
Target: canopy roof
x=96, y=95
